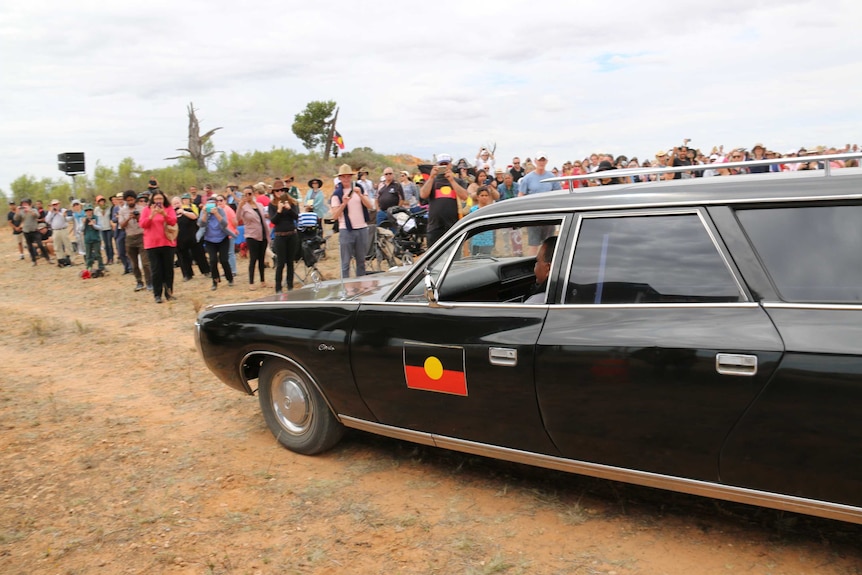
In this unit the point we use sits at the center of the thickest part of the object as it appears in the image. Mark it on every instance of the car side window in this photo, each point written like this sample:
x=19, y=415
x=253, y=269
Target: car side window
x=416, y=290
x=492, y=263
x=812, y=253
x=668, y=258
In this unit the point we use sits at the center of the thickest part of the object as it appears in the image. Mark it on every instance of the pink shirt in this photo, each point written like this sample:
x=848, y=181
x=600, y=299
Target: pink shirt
x=250, y=215
x=353, y=210
x=231, y=219
x=154, y=229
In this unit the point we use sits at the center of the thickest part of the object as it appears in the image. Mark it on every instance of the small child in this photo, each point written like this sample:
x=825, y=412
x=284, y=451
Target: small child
x=93, y=242
x=308, y=219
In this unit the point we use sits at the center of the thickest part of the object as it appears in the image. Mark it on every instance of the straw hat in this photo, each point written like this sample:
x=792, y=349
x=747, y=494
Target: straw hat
x=345, y=170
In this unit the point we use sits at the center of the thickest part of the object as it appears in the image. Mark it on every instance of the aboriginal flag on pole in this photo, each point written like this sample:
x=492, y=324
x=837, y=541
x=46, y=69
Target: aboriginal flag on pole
x=339, y=141
x=437, y=368
x=425, y=170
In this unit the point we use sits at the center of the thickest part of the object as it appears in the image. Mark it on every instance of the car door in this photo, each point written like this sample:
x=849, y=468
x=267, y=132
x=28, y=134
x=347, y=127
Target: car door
x=655, y=350
x=461, y=368
x=802, y=435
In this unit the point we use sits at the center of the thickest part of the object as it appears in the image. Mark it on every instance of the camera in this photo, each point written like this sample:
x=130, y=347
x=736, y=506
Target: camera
x=136, y=212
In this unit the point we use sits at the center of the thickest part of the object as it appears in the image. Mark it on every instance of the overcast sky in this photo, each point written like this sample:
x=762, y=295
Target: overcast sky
x=113, y=79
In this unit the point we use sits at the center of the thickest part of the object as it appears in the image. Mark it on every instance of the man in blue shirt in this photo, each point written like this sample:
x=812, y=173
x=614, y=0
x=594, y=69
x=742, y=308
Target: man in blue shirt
x=532, y=184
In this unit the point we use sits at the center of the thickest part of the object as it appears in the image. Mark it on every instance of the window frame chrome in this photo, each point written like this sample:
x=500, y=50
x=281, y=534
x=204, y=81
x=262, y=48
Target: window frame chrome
x=699, y=211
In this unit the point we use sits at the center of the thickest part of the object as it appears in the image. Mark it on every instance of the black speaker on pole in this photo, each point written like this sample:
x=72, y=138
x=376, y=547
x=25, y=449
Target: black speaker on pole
x=71, y=162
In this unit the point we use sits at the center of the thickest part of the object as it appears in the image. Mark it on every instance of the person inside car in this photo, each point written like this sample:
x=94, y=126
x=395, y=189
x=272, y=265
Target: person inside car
x=542, y=269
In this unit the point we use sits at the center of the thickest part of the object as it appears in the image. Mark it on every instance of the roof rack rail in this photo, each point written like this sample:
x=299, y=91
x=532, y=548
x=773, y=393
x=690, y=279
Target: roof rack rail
x=626, y=172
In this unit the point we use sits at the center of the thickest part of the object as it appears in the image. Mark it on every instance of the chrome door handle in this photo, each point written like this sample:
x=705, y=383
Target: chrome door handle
x=736, y=364
x=504, y=356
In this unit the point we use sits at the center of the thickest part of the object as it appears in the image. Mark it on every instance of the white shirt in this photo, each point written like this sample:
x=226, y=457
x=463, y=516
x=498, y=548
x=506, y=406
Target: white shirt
x=487, y=165
x=57, y=220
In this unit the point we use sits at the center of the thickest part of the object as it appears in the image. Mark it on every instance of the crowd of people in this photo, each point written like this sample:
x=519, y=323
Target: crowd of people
x=151, y=234
x=684, y=155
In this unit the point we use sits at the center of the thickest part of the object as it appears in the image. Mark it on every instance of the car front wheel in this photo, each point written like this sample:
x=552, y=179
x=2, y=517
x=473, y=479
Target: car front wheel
x=294, y=410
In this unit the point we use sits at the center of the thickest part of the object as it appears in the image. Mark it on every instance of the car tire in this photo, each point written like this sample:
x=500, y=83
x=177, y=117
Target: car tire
x=294, y=410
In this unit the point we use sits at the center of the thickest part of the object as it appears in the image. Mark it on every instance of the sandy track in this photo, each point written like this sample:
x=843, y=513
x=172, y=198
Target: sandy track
x=122, y=454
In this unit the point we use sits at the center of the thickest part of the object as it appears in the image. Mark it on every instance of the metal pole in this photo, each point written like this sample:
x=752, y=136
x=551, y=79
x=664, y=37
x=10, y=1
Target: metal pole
x=343, y=293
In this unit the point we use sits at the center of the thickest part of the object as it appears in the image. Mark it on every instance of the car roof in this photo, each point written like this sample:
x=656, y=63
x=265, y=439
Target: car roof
x=843, y=184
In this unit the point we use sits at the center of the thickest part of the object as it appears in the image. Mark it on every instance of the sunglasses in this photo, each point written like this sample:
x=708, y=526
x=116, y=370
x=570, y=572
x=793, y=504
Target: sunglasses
x=387, y=173
x=248, y=194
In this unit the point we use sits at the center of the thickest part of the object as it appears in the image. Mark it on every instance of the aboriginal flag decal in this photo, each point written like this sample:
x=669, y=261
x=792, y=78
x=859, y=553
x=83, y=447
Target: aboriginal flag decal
x=437, y=368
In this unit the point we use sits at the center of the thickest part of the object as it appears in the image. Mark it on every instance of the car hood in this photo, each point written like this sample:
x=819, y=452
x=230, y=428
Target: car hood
x=372, y=287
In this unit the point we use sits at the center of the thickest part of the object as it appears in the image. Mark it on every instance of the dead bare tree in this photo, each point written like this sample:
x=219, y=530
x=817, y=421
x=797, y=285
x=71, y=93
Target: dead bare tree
x=197, y=143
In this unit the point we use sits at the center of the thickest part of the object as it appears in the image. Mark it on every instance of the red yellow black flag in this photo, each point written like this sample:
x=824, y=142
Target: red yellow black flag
x=437, y=368
x=339, y=141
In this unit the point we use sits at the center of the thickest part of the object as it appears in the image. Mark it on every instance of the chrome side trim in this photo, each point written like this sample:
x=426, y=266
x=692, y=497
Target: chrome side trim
x=742, y=304
x=626, y=212
x=828, y=306
x=388, y=431
x=575, y=305
x=691, y=486
x=288, y=304
x=294, y=364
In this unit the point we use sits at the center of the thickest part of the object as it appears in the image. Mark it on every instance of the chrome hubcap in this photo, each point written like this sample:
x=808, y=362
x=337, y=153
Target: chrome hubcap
x=290, y=402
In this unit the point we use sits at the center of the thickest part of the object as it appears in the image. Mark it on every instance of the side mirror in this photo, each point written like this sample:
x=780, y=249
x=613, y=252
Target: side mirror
x=431, y=290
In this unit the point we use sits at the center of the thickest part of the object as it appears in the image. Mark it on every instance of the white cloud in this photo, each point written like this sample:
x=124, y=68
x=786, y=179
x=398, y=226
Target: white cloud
x=113, y=79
